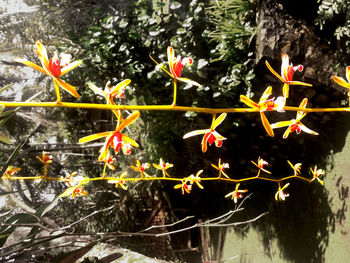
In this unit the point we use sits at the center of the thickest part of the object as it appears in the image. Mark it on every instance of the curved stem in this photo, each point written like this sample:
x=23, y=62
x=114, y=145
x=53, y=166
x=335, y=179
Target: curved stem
x=175, y=92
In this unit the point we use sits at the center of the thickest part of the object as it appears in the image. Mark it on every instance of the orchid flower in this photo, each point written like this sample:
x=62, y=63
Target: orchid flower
x=141, y=168
x=221, y=167
x=261, y=163
x=280, y=195
x=342, y=82
x=176, y=65
x=296, y=167
x=119, y=181
x=210, y=135
x=78, y=191
x=295, y=124
x=265, y=104
x=316, y=174
x=196, y=179
x=236, y=193
x=46, y=160
x=115, y=139
x=10, y=171
x=110, y=93
x=109, y=160
x=163, y=167
x=185, y=188
x=75, y=185
x=54, y=68
x=287, y=72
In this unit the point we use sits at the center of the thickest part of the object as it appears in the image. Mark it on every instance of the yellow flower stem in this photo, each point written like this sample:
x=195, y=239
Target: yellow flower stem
x=175, y=93
x=156, y=107
x=104, y=170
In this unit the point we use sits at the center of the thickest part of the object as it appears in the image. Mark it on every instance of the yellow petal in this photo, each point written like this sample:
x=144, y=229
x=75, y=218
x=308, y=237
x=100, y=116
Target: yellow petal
x=205, y=142
x=32, y=65
x=249, y=102
x=71, y=89
x=219, y=120
x=171, y=57
x=197, y=132
x=95, y=136
x=286, y=90
x=120, y=85
x=266, y=124
x=286, y=133
x=131, y=141
x=281, y=124
x=97, y=90
x=42, y=53
x=190, y=81
x=266, y=94
x=133, y=117
x=70, y=67
x=348, y=73
x=299, y=83
x=274, y=72
x=341, y=82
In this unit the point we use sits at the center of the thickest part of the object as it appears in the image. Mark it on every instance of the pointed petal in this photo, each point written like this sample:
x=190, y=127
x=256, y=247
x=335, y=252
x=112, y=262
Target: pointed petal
x=188, y=81
x=133, y=117
x=219, y=120
x=306, y=129
x=341, y=82
x=266, y=94
x=71, y=89
x=171, y=58
x=281, y=124
x=286, y=133
x=129, y=140
x=70, y=67
x=42, y=53
x=266, y=124
x=274, y=72
x=301, y=114
x=249, y=102
x=299, y=83
x=348, y=73
x=285, y=90
x=162, y=67
x=32, y=65
x=95, y=136
x=196, y=132
x=119, y=86
x=97, y=90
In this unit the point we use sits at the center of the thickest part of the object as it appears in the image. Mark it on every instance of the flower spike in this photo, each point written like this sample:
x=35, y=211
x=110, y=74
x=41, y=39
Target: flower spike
x=210, y=135
x=287, y=72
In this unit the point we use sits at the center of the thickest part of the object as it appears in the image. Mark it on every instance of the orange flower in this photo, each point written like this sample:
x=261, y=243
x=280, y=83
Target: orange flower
x=78, y=191
x=296, y=167
x=280, y=195
x=120, y=181
x=10, y=171
x=265, y=104
x=295, y=124
x=115, y=139
x=210, y=135
x=236, y=194
x=316, y=174
x=45, y=159
x=75, y=185
x=163, y=167
x=176, y=65
x=141, y=168
x=110, y=93
x=184, y=186
x=54, y=68
x=287, y=72
x=221, y=167
x=261, y=163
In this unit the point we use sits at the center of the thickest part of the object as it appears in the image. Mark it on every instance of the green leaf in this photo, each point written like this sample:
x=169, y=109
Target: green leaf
x=41, y=211
x=6, y=87
x=5, y=139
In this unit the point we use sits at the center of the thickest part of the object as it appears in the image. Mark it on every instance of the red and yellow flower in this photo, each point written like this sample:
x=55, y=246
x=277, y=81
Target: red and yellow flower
x=296, y=167
x=237, y=193
x=342, y=82
x=115, y=139
x=280, y=195
x=163, y=167
x=261, y=163
x=287, y=72
x=265, y=104
x=119, y=181
x=111, y=92
x=176, y=66
x=141, y=168
x=54, y=68
x=221, y=167
x=316, y=174
x=210, y=135
x=295, y=124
